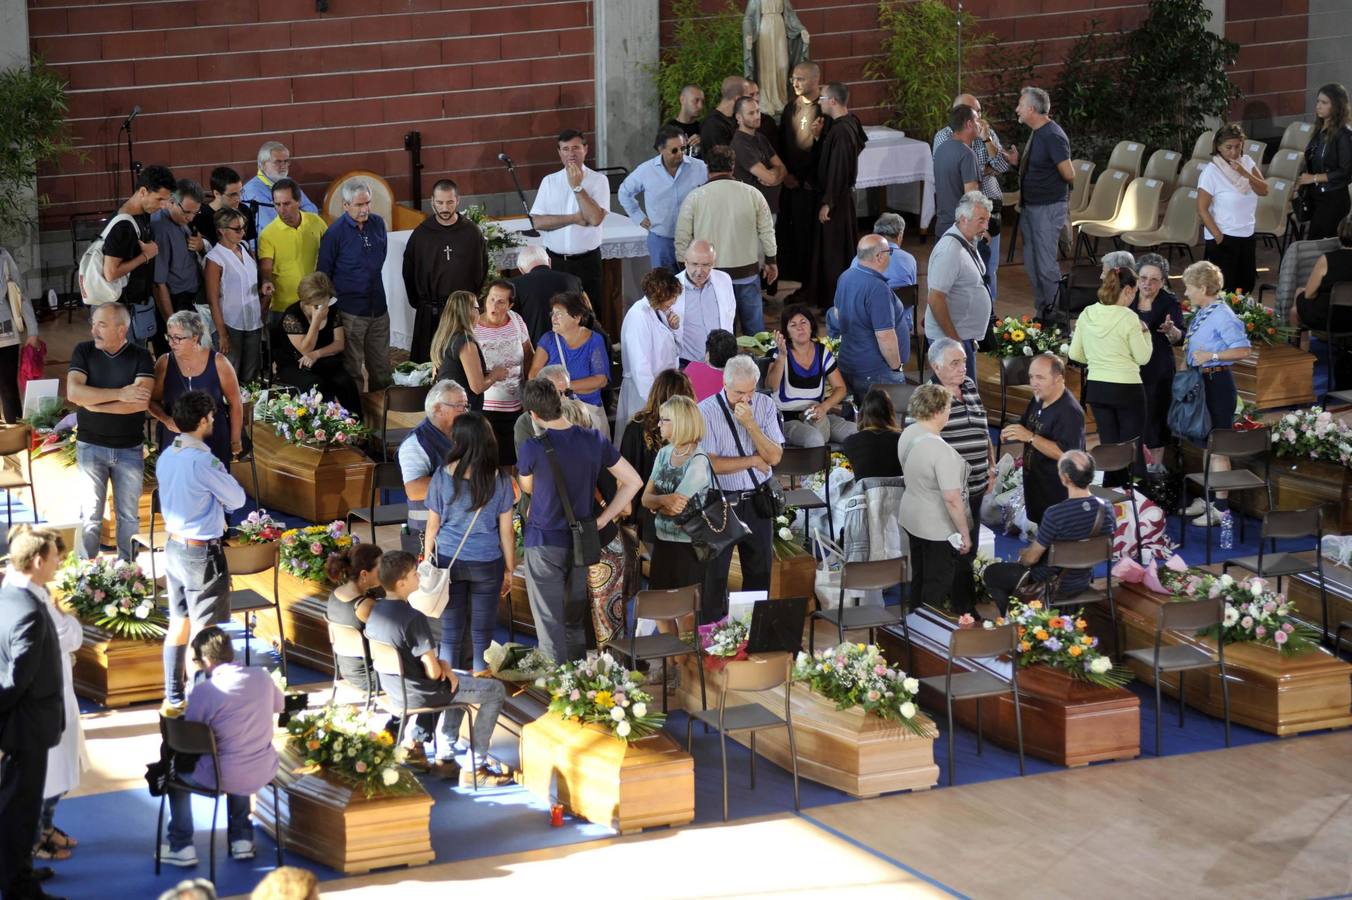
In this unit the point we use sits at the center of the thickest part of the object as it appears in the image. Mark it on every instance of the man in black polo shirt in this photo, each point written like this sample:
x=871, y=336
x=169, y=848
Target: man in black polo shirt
x=110, y=381
x=1052, y=424
x=1079, y=516
x=130, y=246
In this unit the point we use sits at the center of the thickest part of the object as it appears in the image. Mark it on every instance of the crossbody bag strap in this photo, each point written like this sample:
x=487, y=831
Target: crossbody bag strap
x=558, y=481
x=465, y=537
x=732, y=426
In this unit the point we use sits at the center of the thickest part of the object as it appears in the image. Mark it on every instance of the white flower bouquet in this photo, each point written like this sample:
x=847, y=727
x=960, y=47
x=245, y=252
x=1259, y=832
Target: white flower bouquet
x=1253, y=612
x=600, y=691
x=111, y=594
x=858, y=675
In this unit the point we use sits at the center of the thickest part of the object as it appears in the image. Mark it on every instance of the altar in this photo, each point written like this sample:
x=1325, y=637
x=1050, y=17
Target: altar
x=896, y=164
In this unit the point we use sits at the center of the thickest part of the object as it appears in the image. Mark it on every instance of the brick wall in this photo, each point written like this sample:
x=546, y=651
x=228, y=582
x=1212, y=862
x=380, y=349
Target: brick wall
x=1271, y=66
x=215, y=78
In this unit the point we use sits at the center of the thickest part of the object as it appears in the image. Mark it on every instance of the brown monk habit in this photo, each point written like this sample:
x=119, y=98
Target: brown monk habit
x=440, y=259
x=796, y=228
x=837, y=172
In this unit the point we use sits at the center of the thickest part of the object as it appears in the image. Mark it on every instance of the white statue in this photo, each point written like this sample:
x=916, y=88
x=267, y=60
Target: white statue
x=773, y=42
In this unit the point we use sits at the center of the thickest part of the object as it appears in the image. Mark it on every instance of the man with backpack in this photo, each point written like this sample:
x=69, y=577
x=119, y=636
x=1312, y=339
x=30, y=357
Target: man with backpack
x=128, y=246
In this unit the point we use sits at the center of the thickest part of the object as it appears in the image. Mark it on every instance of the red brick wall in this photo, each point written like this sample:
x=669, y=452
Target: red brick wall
x=216, y=78
x=1271, y=67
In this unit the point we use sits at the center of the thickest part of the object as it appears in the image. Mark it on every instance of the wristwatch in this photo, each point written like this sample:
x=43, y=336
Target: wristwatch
x=1215, y=357
x=578, y=189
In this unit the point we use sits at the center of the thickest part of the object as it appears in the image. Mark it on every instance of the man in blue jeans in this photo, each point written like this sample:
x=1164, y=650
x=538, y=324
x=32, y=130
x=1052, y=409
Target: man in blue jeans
x=240, y=705
x=110, y=380
x=871, y=319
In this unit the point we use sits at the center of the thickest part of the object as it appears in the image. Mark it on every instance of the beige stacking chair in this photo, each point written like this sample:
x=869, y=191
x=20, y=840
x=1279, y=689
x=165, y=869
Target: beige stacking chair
x=1163, y=164
x=1137, y=208
x=1297, y=136
x=1079, y=188
x=1126, y=157
x=1202, y=148
x=1179, y=228
x=1287, y=165
x=1273, y=218
x=1255, y=150
x=1105, y=198
x=1192, y=172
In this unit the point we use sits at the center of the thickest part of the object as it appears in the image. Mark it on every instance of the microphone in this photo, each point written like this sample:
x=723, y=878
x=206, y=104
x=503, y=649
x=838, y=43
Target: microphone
x=135, y=111
x=506, y=160
x=511, y=167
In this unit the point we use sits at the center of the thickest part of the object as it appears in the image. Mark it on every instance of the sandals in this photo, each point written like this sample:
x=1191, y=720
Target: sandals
x=50, y=851
x=60, y=839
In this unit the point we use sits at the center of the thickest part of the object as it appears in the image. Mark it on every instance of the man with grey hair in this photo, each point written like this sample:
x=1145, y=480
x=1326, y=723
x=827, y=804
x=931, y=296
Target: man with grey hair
x=707, y=301
x=352, y=253
x=875, y=328
x=274, y=162
x=536, y=286
x=178, y=272
x=525, y=427
x=1044, y=188
x=901, y=268
x=1079, y=516
x=992, y=161
x=744, y=442
x=959, y=301
x=426, y=448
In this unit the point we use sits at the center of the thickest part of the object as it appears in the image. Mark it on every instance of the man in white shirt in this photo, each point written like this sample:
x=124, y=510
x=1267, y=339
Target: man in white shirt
x=707, y=302
x=569, y=208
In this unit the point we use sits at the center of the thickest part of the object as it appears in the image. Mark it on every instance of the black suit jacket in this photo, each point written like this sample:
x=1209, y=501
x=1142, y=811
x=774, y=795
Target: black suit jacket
x=32, y=711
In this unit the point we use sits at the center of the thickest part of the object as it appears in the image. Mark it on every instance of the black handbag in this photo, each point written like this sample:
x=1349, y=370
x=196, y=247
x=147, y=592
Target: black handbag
x=767, y=498
x=586, y=539
x=712, y=526
x=1189, y=417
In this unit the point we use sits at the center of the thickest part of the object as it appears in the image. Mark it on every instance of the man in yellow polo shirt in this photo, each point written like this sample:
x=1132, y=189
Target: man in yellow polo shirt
x=288, y=248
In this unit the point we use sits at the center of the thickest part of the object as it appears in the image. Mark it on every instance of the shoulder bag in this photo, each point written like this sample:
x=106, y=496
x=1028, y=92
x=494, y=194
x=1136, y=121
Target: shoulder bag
x=711, y=524
x=1188, y=414
x=767, y=498
x=586, y=539
x=434, y=582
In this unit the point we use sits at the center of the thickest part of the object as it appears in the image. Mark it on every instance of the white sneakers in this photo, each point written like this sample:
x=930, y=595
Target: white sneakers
x=241, y=850
x=1197, y=507
x=185, y=858
x=1209, y=512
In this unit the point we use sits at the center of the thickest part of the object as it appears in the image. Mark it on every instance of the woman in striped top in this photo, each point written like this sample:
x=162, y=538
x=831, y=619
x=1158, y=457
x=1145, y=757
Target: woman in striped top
x=807, y=384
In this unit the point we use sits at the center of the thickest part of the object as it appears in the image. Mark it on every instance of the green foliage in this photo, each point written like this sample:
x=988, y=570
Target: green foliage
x=1155, y=84
x=33, y=131
x=919, y=59
x=704, y=50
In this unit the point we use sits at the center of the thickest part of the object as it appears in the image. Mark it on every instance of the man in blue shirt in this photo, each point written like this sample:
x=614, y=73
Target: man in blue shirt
x=274, y=162
x=870, y=319
x=663, y=181
x=901, y=269
x=352, y=253
x=178, y=271
x=195, y=491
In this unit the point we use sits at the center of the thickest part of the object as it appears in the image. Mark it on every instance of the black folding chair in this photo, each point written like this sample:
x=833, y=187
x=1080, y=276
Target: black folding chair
x=1236, y=446
x=1289, y=523
x=387, y=476
x=1109, y=458
x=798, y=462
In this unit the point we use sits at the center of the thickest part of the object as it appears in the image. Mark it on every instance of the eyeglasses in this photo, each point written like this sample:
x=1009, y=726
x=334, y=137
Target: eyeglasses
x=178, y=338
x=239, y=228
x=460, y=406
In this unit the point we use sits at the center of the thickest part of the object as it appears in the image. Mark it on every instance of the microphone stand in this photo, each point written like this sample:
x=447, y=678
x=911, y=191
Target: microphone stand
x=531, y=232
x=134, y=165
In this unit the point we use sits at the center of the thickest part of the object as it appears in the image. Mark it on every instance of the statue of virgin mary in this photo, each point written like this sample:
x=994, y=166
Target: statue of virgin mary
x=773, y=42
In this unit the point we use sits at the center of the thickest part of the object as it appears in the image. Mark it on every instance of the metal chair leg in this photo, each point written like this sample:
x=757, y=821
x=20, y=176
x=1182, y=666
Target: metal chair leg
x=723, y=755
x=281, y=637
x=1158, y=710
x=248, y=634
x=473, y=750
x=948, y=699
x=159, y=830
x=277, y=821
x=978, y=726
x=793, y=759
x=753, y=760
x=1181, y=704
x=211, y=840
x=1018, y=727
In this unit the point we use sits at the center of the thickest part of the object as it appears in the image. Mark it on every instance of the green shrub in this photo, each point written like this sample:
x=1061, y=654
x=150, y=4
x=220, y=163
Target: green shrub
x=704, y=50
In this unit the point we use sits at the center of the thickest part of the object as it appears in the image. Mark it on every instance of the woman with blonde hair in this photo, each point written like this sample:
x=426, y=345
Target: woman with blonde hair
x=1227, y=199
x=681, y=476
x=642, y=437
x=1216, y=340
x=307, y=344
x=456, y=352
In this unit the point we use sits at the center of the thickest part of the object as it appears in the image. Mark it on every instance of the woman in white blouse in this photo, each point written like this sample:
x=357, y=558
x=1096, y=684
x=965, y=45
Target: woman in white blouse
x=648, y=341
x=1227, y=199
x=232, y=292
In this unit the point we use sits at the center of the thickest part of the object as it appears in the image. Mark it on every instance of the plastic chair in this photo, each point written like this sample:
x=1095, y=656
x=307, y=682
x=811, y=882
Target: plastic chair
x=397, y=216
x=1126, y=157
x=1289, y=523
x=755, y=675
x=1287, y=164
x=197, y=738
x=1163, y=165
x=1237, y=445
x=664, y=606
x=1079, y=189
x=1190, y=617
x=978, y=643
x=1255, y=150
x=1085, y=554
x=1272, y=220
x=878, y=574
x=349, y=641
x=1339, y=298
x=17, y=441
x=1191, y=173
x=386, y=477
x=1296, y=136
x=1110, y=458
x=799, y=461
x=1139, y=210
x=1201, y=148
x=250, y=559
x=389, y=664
x=1105, y=199
x=1013, y=373
x=1180, y=228
x=400, y=399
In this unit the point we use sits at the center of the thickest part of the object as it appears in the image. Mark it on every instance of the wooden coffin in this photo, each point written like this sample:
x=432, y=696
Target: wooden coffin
x=1066, y=721
x=58, y=503
x=1272, y=376
x=1278, y=694
x=629, y=787
x=317, y=485
x=794, y=576
x=1303, y=591
x=303, y=605
x=116, y=672
x=988, y=383
x=329, y=821
x=849, y=750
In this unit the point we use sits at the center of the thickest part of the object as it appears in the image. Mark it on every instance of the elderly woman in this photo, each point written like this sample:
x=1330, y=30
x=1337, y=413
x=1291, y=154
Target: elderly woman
x=231, y=277
x=1227, y=200
x=872, y=450
x=504, y=341
x=190, y=366
x=807, y=384
x=934, y=509
x=706, y=375
x=308, y=341
x=1112, y=340
x=649, y=341
x=579, y=348
x=1159, y=310
x=968, y=432
x=1328, y=162
x=1216, y=340
x=681, y=475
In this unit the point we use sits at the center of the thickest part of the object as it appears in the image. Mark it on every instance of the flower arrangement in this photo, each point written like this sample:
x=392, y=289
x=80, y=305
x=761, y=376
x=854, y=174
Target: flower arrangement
x=111, y=594
x=762, y=343
x=306, y=550
x=1062, y=641
x=516, y=662
x=816, y=481
x=253, y=391
x=413, y=374
x=258, y=528
x=599, y=691
x=723, y=641
x=858, y=675
x=1253, y=613
x=1261, y=322
x=308, y=420
x=353, y=747
x=1313, y=434
x=785, y=543
x=1025, y=336
x=830, y=343
x=495, y=236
